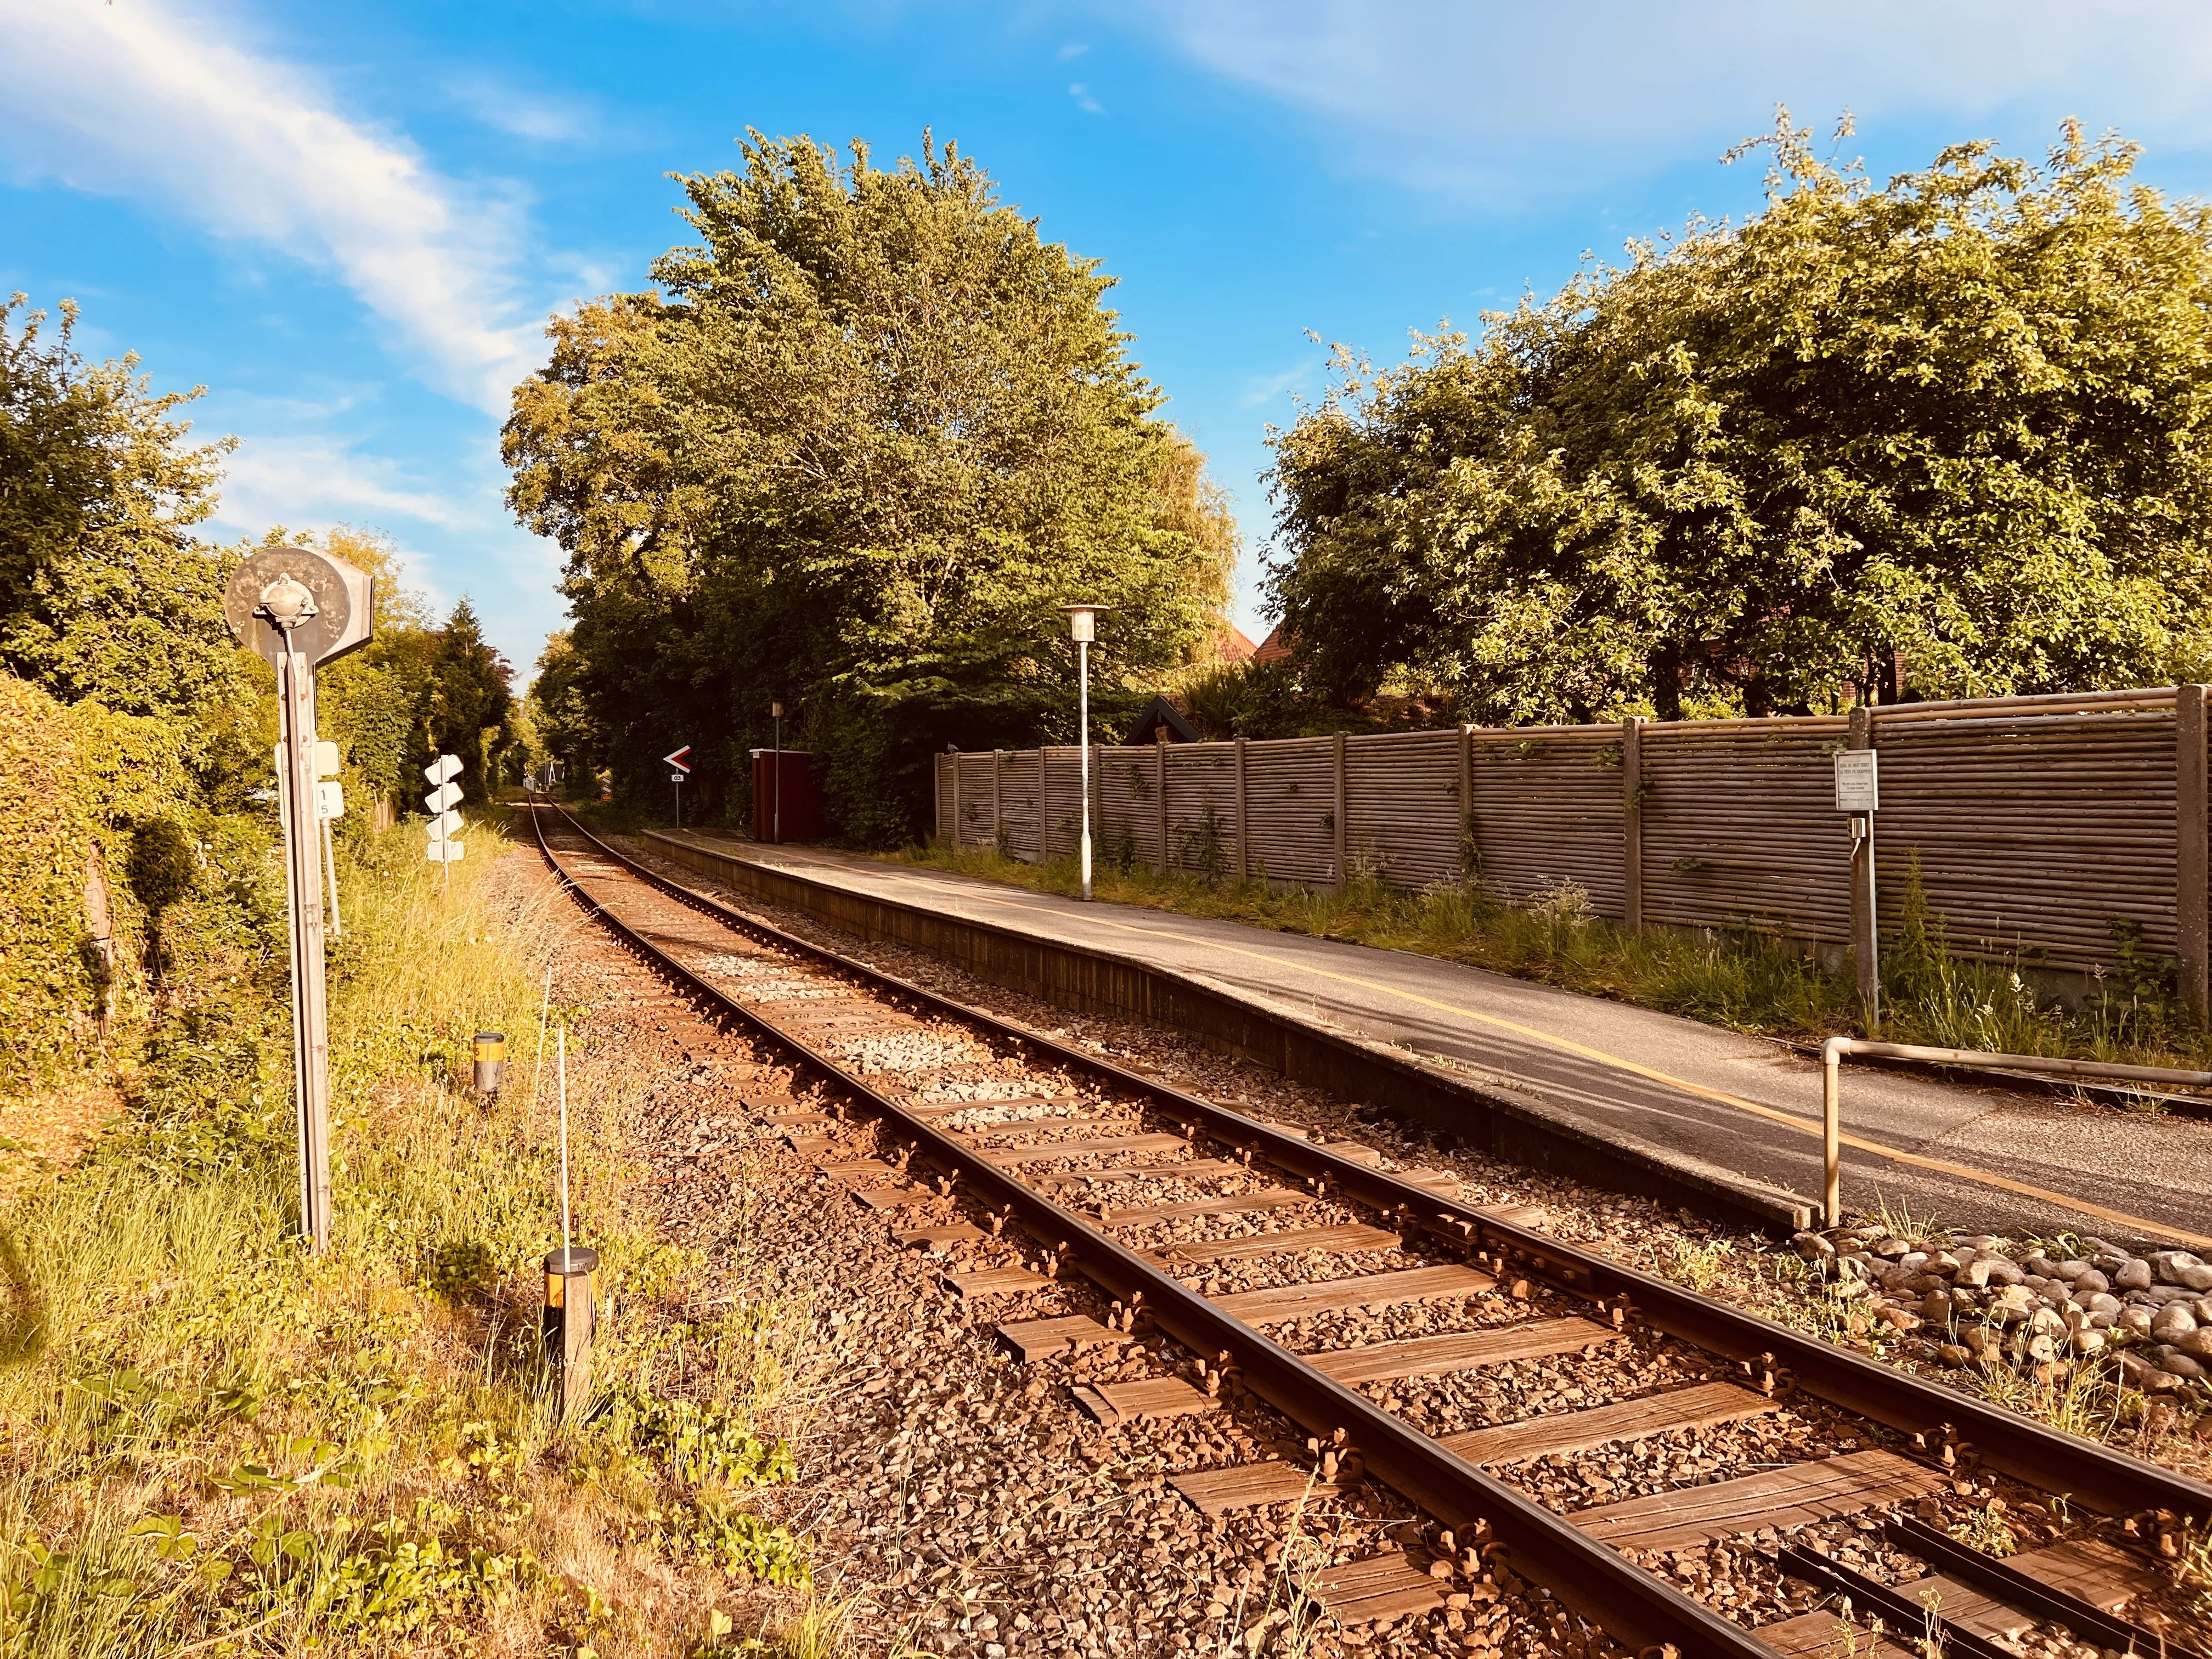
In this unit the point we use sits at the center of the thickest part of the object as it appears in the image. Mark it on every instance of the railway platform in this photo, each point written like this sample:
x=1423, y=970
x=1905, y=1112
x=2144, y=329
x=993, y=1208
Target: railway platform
x=1620, y=1095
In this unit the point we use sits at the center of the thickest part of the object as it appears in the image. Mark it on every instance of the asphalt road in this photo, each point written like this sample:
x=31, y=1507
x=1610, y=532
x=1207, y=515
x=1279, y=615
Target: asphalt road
x=1723, y=1099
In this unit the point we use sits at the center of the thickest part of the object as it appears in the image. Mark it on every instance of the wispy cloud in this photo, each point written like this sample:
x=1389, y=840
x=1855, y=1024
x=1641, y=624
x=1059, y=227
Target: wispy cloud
x=1084, y=100
x=1509, y=101
x=317, y=480
x=1074, y=50
x=509, y=109
x=140, y=100
x=1261, y=390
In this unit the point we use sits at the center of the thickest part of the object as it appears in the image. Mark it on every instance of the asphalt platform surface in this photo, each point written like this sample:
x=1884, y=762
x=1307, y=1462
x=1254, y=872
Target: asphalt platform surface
x=1720, y=1098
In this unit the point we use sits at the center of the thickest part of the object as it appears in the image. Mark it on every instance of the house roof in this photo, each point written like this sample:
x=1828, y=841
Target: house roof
x=1274, y=648
x=1163, y=712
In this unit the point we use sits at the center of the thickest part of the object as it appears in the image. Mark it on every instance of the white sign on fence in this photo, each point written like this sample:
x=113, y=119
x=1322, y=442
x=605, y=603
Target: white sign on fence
x=1857, y=785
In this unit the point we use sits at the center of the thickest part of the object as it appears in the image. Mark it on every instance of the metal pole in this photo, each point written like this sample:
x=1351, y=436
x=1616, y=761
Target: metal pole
x=778, y=764
x=676, y=778
x=1083, y=721
x=310, y=1014
x=538, y=1072
x=330, y=863
x=1874, y=938
x=1831, y=1128
x=561, y=1071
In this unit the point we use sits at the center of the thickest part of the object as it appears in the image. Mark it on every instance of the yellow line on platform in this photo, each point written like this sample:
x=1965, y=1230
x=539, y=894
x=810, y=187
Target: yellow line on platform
x=1718, y=1096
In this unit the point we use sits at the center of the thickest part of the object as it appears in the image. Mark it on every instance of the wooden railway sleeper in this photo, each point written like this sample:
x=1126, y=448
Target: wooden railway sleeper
x=1626, y=1601
x=1907, y=1619
x=2006, y=1583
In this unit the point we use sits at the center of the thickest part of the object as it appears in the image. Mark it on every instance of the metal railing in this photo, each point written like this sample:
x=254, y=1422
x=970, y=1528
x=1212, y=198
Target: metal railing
x=1835, y=1050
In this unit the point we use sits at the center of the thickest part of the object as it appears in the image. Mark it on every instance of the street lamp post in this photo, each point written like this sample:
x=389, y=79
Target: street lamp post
x=776, y=708
x=1083, y=628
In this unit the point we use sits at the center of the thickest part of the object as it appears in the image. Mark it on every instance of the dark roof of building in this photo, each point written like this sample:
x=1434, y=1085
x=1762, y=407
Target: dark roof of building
x=1163, y=712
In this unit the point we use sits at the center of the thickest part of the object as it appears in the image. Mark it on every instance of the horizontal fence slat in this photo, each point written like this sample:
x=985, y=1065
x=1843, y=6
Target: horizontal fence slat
x=2042, y=828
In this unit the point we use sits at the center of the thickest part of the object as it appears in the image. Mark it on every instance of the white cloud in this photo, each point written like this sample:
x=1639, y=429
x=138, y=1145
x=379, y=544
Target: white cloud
x=523, y=115
x=1511, y=102
x=1084, y=100
x=306, y=481
x=140, y=100
x=1074, y=50
x=1261, y=390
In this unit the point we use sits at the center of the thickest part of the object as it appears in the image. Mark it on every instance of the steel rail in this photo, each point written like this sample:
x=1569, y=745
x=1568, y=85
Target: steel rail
x=1409, y=1462
x=1935, y=1419
x=2003, y=1582
x=1594, y=1579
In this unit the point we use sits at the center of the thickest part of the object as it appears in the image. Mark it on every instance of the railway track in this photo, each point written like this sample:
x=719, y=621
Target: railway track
x=1222, y=1239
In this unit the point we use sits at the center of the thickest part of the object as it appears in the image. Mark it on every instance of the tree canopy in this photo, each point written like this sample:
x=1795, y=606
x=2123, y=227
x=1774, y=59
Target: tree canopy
x=104, y=593
x=864, y=439
x=1950, y=431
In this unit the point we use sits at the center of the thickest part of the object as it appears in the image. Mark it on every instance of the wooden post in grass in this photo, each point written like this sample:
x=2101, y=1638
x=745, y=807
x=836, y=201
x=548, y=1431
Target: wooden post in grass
x=1631, y=822
x=1343, y=871
x=2193, y=855
x=1244, y=835
x=1160, y=778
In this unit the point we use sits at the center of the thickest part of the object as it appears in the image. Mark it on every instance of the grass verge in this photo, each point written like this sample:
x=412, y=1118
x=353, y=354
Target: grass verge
x=217, y=1442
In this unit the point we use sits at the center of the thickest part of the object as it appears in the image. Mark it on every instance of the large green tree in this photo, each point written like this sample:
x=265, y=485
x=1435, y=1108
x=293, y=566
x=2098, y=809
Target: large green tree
x=104, y=593
x=1955, y=426
x=864, y=438
x=467, y=709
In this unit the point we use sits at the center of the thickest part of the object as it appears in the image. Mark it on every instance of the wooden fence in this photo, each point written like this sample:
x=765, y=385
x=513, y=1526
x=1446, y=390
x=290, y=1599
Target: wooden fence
x=2044, y=828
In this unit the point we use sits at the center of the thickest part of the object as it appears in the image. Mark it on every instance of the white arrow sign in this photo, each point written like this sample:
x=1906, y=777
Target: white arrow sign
x=677, y=759
x=445, y=826
x=443, y=769
x=444, y=795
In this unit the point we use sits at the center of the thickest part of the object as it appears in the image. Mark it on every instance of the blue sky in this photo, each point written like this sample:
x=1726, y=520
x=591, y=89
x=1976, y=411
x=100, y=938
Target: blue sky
x=349, y=222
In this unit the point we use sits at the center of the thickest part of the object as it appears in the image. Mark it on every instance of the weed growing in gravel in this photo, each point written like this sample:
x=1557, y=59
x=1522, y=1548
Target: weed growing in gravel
x=1746, y=981
x=1699, y=1265
x=214, y=1433
x=1986, y=1530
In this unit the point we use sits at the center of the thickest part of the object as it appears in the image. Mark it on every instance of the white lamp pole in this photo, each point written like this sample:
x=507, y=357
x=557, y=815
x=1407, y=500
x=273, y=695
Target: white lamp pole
x=776, y=709
x=1083, y=627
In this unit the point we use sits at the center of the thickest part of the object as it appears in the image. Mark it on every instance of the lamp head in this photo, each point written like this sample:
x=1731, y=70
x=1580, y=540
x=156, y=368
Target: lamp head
x=776, y=709
x=287, y=603
x=1083, y=622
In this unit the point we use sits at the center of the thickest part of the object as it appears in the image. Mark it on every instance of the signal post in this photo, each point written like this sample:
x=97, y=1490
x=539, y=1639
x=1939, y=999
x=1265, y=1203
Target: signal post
x=301, y=610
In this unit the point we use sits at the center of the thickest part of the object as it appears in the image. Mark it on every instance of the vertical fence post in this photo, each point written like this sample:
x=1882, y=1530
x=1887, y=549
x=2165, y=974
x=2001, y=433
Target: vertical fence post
x=2192, y=851
x=1343, y=869
x=1468, y=863
x=1866, y=939
x=1631, y=822
x=1160, y=777
x=998, y=796
x=1043, y=817
x=1243, y=840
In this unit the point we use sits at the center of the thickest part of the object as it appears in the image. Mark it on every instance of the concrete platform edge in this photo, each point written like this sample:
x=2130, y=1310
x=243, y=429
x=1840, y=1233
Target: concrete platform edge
x=1502, y=1121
